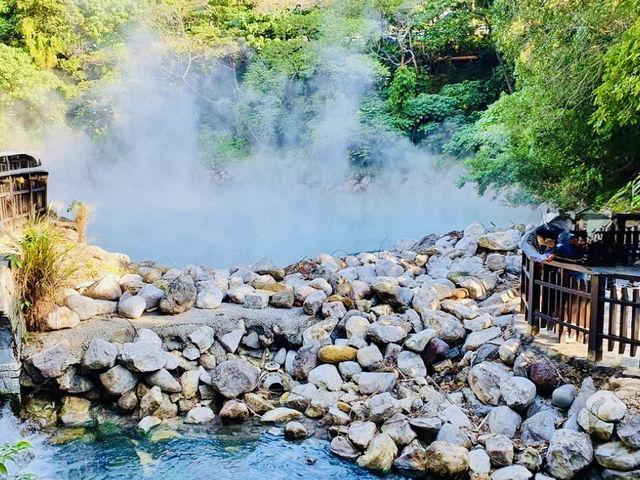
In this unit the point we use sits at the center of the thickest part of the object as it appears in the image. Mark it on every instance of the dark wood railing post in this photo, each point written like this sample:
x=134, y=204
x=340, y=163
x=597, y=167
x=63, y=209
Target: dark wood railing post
x=596, y=320
x=534, y=298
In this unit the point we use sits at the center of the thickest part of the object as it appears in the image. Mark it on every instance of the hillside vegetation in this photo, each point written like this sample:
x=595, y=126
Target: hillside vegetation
x=539, y=98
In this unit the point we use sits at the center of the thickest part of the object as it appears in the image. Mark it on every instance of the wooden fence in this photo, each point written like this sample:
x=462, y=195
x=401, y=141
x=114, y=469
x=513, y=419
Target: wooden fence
x=596, y=306
x=23, y=188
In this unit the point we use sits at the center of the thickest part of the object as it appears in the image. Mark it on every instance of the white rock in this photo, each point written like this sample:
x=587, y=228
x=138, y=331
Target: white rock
x=85, y=307
x=132, y=307
x=62, y=317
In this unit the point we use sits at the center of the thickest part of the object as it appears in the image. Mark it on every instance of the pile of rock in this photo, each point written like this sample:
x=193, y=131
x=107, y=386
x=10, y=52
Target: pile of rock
x=411, y=359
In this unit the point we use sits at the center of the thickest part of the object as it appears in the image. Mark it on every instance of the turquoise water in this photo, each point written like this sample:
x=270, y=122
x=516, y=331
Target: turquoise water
x=248, y=451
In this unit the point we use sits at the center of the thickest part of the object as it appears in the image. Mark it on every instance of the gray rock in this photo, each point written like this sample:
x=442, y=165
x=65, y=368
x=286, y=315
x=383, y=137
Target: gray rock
x=237, y=293
x=209, y=297
x=617, y=456
x=449, y=328
x=568, y=453
x=518, y=392
x=369, y=357
x=305, y=360
x=455, y=435
x=142, y=356
x=48, y=363
x=295, y=431
x=500, y=450
x=61, y=318
x=147, y=335
x=72, y=382
x=349, y=369
x=509, y=350
x=341, y=447
x=150, y=401
x=180, y=297
x=190, y=380
x=606, y=406
x=513, y=472
x=313, y=302
x=629, y=431
x=99, y=355
x=564, y=396
x=476, y=339
x=381, y=407
x=151, y=295
x=586, y=390
x=132, y=307
x=148, y=423
x=485, y=380
x=500, y=241
x=410, y=462
x=504, y=421
x=256, y=300
x=427, y=428
x=419, y=341
x=540, y=427
x=529, y=458
x=202, y=338
x=107, y=288
x=594, y=426
x=265, y=266
x=609, y=474
x=399, y=430
x=388, y=330
x=325, y=376
x=234, y=377
x=84, y=307
x=118, y=380
x=283, y=299
x=411, y=364
x=361, y=433
x=374, y=382
x=164, y=380
x=479, y=462
x=199, y=415
x=391, y=293
x=231, y=341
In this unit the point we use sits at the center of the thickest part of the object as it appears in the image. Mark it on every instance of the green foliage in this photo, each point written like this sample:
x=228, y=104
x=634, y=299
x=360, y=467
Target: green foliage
x=9, y=452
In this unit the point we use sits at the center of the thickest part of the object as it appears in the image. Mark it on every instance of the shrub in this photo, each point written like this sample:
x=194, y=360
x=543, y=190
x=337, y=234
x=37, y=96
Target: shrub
x=82, y=213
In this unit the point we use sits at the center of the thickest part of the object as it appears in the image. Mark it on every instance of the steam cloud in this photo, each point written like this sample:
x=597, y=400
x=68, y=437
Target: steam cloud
x=156, y=200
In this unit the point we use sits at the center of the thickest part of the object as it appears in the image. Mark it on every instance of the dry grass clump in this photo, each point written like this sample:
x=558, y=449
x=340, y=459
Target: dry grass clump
x=42, y=269
x=82, y=213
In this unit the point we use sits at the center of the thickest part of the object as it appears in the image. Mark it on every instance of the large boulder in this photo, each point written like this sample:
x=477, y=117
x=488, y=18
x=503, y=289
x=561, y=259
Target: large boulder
x=142, y=356
x=49, y=363
x=569, y=452
x=85, y=307
x=618, y=456
x=485, y=380
x=234, y=377
x=100, y=355
x=180, y=297
x=446, y=460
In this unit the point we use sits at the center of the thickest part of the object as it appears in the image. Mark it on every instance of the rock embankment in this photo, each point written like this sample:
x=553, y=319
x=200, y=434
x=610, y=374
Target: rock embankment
x=409, y=356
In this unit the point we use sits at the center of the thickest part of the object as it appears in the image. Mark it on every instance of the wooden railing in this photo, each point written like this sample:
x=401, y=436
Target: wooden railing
x=592, y=305
x=22, y=195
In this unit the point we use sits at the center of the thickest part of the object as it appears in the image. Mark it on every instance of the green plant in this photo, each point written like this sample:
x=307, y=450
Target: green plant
x=44, y=271
x=9, y=453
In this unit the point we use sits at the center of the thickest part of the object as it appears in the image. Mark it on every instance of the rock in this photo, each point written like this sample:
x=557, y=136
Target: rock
x=256, y=300
x=234, y=377
x=529, y=458
x=455, y=435
x=448, y=327
x=209, y=297
x=237, y=293
x=479, y=462
x=349, y=369
x=504, y=421
x=508, y=351
x=320, y=332
x=618, y=475
x=361, y=433
x=266, y=267
x=500, y=241
x=380, y=454
x=580, y=402
x=295, y=431
x=148, y=423
x=446, y=460
x=132, y=307
x=563, y=396
x=75, y=412
x=425, y=300
x=342, y=448
x=142, y=356
x=190, y=381
x=617, y=456
x=496, y=262
x=390, y=293
x=305, y=360
x=234, y=411
x=150, y=274
x=164, y=380
x=180, y=297
x=147, y=335
x=107, y=288
x=199, y=415
x=313, y=302
x=257, y=403
x=202, y=338
x=333, y=309
x=283, y=299
x=411, y=364
x=84, y=307
x=419, y=341
x=568, y=453
x=539, y=428
x=518, y=392
x=336, y=353
x=411, y=460
x=388, y=330
x=370, y=357
x=167, y=409
x=60, y=318
x=513, y=472
x=544, y=375
x=476, y=339
x=381, y=407
x=606, y=406
x=151, y=295
x=325, y=376
x=436, y=351
x=49, y=363
x=374, y=382
x=118, y=380
x=99, y=355
x=594, y=426
x=500, y=450
x=426, y=428
x=150, y=401
x=72, y=382
x=281, y=415
x=485, y=380
x=629, y=431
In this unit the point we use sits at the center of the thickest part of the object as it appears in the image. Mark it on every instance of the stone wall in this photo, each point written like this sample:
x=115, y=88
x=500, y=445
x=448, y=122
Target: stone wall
x=11, y=327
